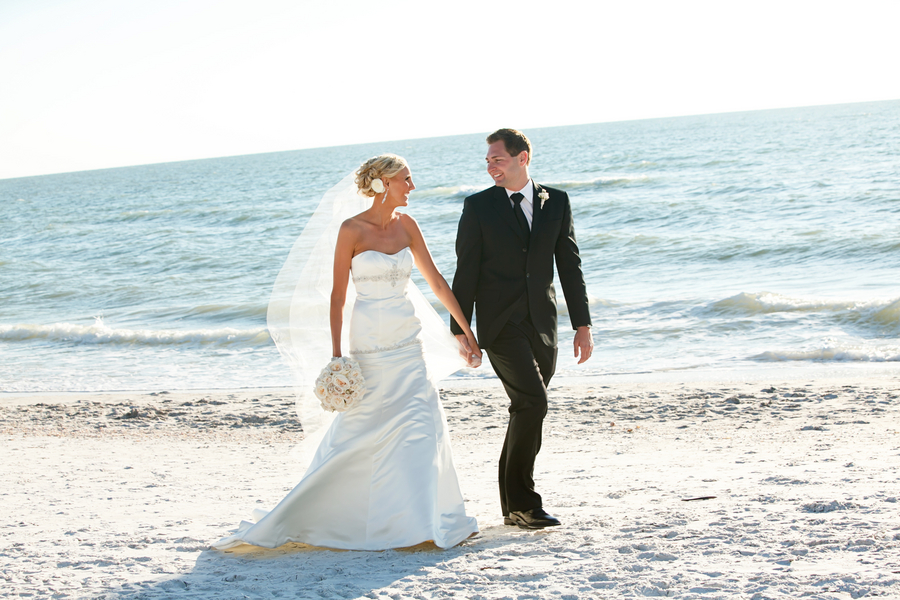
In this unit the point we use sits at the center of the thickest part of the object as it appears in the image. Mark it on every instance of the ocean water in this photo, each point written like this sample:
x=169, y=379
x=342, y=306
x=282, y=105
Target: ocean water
x=720, y=242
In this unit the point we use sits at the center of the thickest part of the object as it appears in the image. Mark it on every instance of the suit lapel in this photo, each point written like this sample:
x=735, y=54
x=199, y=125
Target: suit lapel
x=503, y=206
x=535, y=209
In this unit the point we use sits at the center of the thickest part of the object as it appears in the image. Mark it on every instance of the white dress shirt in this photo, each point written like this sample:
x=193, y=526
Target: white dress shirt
x=527, y=201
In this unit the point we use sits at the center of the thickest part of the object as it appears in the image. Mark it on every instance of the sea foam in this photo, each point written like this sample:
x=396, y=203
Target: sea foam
x=838, y=353
x=100, y=333
x=885, y=311
x=599, y=182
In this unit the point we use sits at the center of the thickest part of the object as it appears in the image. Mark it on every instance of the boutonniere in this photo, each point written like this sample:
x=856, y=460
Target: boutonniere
x=544, y=196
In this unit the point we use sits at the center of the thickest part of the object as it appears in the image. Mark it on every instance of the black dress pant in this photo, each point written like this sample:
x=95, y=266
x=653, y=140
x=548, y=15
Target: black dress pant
x=524, y=365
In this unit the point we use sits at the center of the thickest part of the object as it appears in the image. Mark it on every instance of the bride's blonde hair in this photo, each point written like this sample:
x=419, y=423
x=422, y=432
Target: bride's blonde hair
x=378, y=167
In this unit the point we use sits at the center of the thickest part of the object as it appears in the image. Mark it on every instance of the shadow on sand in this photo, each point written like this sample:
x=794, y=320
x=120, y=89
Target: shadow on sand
x=302, y=571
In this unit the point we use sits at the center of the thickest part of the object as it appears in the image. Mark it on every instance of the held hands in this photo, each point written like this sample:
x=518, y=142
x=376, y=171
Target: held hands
x=584, y=343
x=469, y=350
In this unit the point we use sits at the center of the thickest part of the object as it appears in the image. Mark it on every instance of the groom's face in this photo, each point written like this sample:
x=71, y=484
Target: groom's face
x=506, y=171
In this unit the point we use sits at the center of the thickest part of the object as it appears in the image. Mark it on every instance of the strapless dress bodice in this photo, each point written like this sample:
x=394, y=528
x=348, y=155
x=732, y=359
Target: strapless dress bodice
x=383, y=317
x=378, y=275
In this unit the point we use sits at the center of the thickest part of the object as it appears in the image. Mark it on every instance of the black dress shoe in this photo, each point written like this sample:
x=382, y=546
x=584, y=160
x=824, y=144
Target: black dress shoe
x=535, y=518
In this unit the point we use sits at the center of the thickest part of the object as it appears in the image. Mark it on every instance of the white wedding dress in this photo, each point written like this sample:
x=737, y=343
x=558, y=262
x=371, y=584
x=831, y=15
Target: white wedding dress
x=383, y=475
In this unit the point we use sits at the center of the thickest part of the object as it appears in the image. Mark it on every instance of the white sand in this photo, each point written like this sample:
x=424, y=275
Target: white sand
x=804, y=475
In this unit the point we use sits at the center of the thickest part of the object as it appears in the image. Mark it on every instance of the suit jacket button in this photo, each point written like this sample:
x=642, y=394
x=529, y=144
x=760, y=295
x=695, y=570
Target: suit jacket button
x=527, y=275
x=524, y=249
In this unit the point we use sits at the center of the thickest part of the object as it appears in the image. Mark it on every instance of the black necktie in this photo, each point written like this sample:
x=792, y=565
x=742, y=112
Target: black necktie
x=520, y=215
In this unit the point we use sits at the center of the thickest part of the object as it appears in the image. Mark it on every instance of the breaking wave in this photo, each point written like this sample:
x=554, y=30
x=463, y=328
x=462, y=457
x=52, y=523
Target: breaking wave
x=882, y=313
x=599, y=182
x=100, y=333
x=835, y=353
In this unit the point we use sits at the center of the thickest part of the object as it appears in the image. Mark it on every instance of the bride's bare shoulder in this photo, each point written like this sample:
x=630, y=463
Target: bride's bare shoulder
x=352, y=230
x=407, y=221
x=356, y=222
x=410, y=226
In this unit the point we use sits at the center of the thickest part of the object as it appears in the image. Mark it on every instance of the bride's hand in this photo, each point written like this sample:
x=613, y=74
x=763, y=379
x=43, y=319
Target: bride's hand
x=469, y=350
x=474, y=357
x=464, y=349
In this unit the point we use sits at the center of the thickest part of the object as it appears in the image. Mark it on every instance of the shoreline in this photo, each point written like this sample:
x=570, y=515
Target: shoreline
x=884, y=373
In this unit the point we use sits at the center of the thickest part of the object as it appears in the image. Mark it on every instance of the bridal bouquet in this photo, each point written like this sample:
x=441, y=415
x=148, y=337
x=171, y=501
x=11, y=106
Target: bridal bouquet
x=340, y=385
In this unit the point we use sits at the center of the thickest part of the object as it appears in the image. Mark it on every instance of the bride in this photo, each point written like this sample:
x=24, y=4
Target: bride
x=383, y=476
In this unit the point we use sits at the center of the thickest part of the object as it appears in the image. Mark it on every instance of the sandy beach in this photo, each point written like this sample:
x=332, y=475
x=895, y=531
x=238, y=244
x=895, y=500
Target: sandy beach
x=774, y=489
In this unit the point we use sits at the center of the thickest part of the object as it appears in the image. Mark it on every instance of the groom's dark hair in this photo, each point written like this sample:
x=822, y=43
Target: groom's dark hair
x=514, y=141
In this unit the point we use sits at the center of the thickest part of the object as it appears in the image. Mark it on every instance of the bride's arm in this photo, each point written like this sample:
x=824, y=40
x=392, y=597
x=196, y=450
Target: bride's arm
x=343, y=253
x=435, y=280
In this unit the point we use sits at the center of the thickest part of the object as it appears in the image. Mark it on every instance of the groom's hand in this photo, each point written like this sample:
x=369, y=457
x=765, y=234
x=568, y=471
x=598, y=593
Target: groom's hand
x=584, y=343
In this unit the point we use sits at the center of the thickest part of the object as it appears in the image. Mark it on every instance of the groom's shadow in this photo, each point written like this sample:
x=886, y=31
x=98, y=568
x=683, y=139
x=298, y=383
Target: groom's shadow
x=302, y=571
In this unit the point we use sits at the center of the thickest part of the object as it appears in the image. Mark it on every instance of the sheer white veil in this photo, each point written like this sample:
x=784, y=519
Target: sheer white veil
x=299, y=310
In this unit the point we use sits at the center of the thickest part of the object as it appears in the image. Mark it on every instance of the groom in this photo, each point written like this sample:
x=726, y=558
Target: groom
x=509, y=236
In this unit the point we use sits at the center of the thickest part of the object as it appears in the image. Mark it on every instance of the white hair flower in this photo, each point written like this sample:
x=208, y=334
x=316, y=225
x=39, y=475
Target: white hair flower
x=377, y=186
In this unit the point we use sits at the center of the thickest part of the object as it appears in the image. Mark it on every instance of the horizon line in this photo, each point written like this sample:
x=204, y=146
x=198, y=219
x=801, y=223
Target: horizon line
x=399, y=140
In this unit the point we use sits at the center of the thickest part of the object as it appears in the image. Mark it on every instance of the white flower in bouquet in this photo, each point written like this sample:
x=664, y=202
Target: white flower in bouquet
x=340, y=385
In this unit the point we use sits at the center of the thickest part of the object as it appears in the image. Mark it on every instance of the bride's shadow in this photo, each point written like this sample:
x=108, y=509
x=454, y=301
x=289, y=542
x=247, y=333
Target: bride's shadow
x=301, y=571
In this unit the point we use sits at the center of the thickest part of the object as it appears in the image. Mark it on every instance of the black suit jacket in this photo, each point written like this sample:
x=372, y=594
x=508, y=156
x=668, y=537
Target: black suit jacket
x=495, y=268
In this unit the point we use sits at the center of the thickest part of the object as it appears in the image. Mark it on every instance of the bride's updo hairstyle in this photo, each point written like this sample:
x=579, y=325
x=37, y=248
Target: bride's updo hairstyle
x=379, y=167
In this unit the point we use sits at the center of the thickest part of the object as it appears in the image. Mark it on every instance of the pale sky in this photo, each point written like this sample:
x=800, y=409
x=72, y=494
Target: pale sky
x=88, y=84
